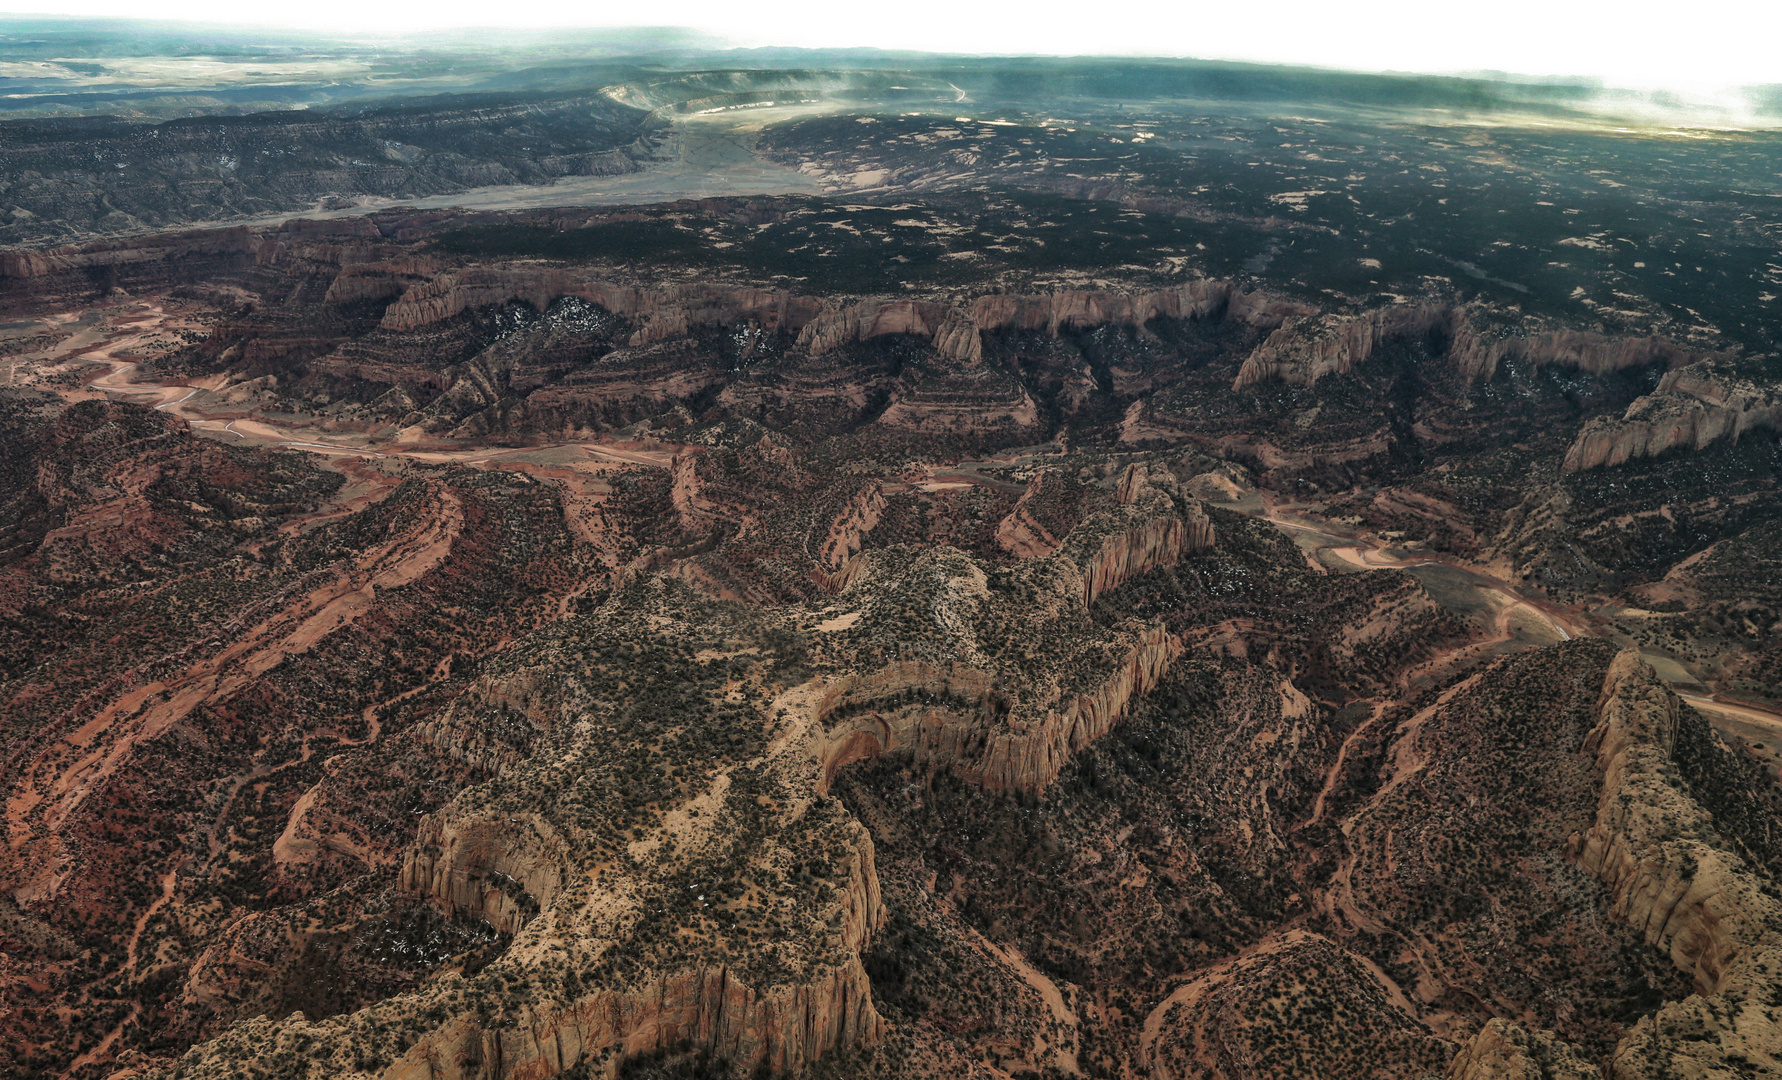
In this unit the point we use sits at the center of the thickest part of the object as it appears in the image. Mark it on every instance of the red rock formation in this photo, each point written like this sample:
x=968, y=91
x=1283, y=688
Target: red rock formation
x=1086, y=310
x=1505, y=1050
x=1126, y=555
x=781, y=1028
x=501, y=871
x=671, y=311
x=1654, y=846
x=1026, y=755
x=1304, y=350
x=1020, y=533
x=1692, y=899
x=835, y=327
x=1109, y=555
x=847, y=533
x=1692, y=408
x=380, y=280
x=678, y=306
x=784, y=1028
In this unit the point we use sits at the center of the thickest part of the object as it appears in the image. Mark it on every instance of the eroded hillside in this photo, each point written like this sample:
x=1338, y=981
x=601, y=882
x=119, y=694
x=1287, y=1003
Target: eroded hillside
x=602, y=643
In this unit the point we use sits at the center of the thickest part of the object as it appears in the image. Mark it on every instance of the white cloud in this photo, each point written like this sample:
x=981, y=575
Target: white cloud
x=1633, y=43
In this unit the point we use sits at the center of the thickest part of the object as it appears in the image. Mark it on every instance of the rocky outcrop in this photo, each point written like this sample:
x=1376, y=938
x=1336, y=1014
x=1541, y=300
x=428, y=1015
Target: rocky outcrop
x=847, y=534
x=968, y=728
x=1669, y=874
x=821, y=327
x=167, y=260
x=1305, y=349
x=1128, y=554
x=946, y=327
x=1113, y=548
x=1692, y=408
x=665, y=312
x=1505, y=1050
x=781, y=1029
x=980, y=398
x=1652, y=843
x=1021, y=533
x=1087, y=309
x=384, y=279
x=500, y=871
x=778, y=1028
x=958, y=334
x=1591, y=353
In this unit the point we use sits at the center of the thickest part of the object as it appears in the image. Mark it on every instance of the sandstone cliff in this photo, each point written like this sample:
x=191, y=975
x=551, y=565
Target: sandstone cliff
x=946, y=327
x=1021, y=533
x=1693, y=407
x=846, y=536
x=664, y=312
x=821, y=327
x=969, y=731
x=1305, y=349
x=1504, y=1050
x=1670, y=874
x=1013, y=727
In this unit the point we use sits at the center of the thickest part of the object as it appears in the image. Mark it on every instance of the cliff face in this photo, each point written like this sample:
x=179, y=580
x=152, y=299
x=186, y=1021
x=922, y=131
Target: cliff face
x=148, y=262
x=665, y=312
x=782, y=1029
x=726, y=912
x=944, y=326
x=1021, y=533
x=1692, y=408
x=502, y=872
x=1669, y=873
x=1305, y=350
x=1086, y=310
x=1504, y=1050
x=1114, y=547
x=847, y=533
x=996, y=728
x=1139, y=549
x=820, y=327
x=970, y=733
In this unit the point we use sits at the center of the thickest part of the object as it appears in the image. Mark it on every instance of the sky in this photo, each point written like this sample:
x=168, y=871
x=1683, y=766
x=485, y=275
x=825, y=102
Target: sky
x=1625, y=43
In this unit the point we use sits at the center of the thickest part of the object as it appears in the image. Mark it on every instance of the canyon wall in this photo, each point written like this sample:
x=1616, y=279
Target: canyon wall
x=1505, y=1050
x=1671, y=875
x=969, y=731
x=780, y=1027
x=501, y=871
x=1692, y=408
x=665, y=312
x=821, y=327
x=1117, y=552
x=1305, y=349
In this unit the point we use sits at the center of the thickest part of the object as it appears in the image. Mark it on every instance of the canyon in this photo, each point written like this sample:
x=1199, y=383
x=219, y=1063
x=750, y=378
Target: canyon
x=951, y=618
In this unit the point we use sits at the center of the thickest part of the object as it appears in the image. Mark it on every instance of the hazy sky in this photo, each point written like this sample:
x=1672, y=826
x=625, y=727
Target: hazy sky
x=1640, y=43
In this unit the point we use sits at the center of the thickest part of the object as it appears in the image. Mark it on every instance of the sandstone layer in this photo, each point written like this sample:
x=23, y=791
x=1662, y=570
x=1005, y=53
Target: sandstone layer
x=1692, y=408
x=1304, y=350
x=1654, y=846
